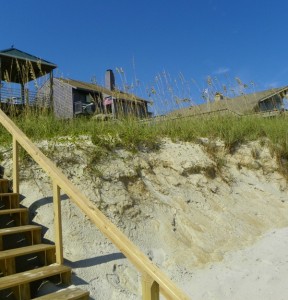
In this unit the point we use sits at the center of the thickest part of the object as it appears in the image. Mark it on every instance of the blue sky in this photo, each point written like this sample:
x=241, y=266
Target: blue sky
x=162, y=49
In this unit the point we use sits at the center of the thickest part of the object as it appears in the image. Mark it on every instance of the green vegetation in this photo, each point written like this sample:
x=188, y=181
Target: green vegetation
x=135, y=135
x=234, y=131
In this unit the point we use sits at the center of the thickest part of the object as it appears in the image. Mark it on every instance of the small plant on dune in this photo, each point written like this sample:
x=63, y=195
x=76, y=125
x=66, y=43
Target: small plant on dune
x=108, y=140
x=129, y=134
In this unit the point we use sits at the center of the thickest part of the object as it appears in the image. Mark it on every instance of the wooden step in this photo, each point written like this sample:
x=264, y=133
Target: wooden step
x=4, y=185
x=9, y=200
x=18, y=215
x=32, y=232
x=67, y=294
x=13, y=210
x=25, y=250
x=36, y=274
x=20, y=283
x=8, y=266
x=19, y=229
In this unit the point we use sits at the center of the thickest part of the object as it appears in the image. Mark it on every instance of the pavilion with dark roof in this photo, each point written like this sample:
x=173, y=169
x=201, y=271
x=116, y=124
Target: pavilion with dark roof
x=19, y=67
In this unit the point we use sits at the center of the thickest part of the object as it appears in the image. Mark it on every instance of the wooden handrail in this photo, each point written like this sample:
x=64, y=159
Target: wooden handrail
x=132, y=252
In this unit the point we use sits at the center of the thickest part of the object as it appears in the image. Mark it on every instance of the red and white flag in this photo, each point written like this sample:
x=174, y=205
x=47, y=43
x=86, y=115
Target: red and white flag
x=108, y=100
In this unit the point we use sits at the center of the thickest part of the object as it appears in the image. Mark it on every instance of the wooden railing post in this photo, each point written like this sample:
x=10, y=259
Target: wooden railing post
x=150, y=288
x=15, y=166
x=57, y=223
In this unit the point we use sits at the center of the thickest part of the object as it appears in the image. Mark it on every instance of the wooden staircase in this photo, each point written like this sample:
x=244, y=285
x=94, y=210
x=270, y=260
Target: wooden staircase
x=21, y=284
x=25, y=262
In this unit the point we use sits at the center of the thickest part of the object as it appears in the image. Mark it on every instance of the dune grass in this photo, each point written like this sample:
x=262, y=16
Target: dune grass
x=133, y=134
x=234, y=131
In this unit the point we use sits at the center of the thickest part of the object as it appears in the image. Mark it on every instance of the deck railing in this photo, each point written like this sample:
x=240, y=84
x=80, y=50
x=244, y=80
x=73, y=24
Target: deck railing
x=154, y=281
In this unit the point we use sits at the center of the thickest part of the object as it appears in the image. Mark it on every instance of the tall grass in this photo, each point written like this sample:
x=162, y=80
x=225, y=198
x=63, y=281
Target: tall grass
x=135, y=135
x=132, y=133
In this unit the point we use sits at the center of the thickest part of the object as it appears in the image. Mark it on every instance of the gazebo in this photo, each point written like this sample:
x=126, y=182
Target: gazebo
x=20, y=67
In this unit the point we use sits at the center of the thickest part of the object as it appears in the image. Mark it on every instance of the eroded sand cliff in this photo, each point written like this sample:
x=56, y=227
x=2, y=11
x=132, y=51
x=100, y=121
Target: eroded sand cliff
x=188, y=206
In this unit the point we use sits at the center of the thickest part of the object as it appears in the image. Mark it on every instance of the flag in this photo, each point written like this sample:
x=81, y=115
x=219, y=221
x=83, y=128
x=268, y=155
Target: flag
x=108, y=100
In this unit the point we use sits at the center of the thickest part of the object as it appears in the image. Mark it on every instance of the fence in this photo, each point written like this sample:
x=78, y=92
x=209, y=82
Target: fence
x=12, y=96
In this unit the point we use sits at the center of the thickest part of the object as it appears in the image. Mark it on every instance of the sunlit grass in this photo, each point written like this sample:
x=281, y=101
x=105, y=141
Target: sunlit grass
x=133, y=134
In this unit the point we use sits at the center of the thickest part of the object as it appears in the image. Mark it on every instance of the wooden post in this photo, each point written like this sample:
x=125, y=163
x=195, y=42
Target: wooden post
x=57, y=223
x=23, y=99
x=0, y=78
x=150, y=288
x=15, y=166
x=51, y=101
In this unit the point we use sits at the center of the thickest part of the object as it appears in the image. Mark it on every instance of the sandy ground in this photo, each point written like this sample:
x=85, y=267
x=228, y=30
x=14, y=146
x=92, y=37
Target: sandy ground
x=258, y=272
x=217, y=233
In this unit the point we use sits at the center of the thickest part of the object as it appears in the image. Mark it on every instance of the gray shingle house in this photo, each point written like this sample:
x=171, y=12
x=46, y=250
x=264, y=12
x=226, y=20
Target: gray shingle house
x=73, y=97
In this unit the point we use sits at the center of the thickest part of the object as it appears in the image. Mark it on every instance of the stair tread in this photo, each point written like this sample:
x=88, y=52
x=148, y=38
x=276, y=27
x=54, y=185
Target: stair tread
x=32, y=275
x=4, y=180
x=13, y=210
x=17, y=229
x=24, y=250
x=66, y=294
x=9, y=194
x=4, y=185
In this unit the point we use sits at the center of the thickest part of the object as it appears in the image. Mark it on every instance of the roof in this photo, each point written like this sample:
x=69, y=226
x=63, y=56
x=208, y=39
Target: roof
x=240, y=105
x=8, y=64
x=91, y=87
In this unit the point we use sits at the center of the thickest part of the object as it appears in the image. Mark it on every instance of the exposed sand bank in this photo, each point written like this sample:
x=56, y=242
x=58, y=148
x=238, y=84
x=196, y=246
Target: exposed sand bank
x=215, y=223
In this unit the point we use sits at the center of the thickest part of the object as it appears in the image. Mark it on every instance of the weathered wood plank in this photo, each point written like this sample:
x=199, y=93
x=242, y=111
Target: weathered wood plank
x=13, y=211
x=10, y=200
x=57, y=224
x=4, y=184
x=19, y=215
x=150, y=288
x=18, y=229
x=33, y=275
x=25, y=250
x=67, y=294
x=15, y=165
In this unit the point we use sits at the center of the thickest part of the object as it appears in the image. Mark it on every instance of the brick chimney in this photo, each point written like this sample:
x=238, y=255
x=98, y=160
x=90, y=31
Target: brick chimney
x=109, y=80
